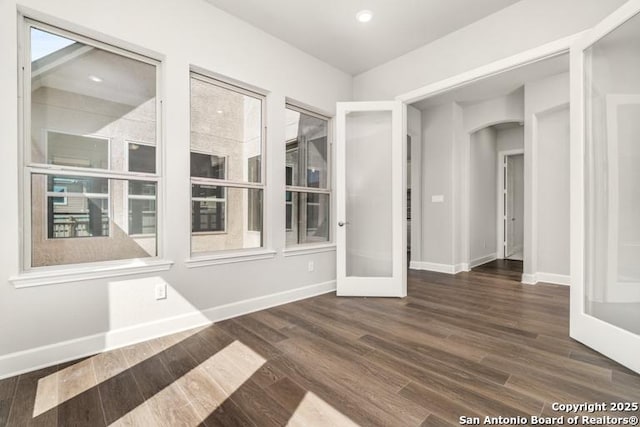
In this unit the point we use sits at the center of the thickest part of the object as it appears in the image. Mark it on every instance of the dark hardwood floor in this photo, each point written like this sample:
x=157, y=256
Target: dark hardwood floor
x=474, y=344
x=503, y=268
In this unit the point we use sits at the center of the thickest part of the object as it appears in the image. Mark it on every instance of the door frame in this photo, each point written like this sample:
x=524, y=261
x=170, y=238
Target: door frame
x=502, y=156
x=531, y=56
x=617, y=343
x=396, y=285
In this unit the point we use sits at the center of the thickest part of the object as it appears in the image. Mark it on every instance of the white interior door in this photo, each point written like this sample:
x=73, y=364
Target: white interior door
x=514, y=195
x=605, y=194
x=371, y=199
x=509, y=219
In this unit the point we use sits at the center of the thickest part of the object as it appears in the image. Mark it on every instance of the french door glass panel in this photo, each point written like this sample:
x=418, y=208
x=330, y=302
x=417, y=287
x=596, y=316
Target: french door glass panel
x=368, y=194
x=612, y=186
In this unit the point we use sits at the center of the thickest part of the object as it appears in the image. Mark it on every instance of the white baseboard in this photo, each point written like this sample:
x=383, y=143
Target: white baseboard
x=40, y=357
x=439, y=268
x=459, y=268
x=555, y=279
x=432, y=266
x=449, y=268
x=483, y=260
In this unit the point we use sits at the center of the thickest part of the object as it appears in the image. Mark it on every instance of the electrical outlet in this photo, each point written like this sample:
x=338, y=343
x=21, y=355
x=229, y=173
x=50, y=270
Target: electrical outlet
x=161, y=291
x=311, y=266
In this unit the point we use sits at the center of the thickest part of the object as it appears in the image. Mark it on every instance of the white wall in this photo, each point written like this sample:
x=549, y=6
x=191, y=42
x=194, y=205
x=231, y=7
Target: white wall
x=437, y=177
x=446, y=156
x=510, y=139
x=483, y=172
x=501, y=109
x=546, y=173
x=553, y=192
x=100, y=308
x=524, y=25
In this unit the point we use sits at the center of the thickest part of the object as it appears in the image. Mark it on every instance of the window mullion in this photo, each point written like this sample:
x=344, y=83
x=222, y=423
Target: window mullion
x=297, y=189
x=92, y=173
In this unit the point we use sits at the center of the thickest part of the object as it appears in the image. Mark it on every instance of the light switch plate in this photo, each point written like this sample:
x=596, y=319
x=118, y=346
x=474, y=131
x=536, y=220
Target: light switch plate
x=439, y=198
x=161, y=291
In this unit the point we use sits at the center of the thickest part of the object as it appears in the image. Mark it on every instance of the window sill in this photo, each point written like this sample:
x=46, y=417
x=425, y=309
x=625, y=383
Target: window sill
x=229, y=258
x=79, y=274
x=309, y=249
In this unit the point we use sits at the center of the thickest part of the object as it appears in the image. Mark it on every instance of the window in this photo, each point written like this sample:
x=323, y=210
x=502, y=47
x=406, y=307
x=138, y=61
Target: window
x=226, y=166
x=308, y=194
x=91, y=193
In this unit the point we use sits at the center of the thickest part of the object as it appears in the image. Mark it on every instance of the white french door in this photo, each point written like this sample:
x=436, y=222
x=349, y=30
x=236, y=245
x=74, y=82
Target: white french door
x=370, y=203
x=605, y=187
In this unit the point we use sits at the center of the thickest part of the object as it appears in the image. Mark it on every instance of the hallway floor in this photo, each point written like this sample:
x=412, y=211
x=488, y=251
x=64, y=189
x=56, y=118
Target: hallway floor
x=501, y=268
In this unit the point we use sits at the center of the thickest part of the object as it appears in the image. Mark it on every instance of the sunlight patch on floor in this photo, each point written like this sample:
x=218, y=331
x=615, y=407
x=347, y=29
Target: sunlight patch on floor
x=233, y=366
x=65, y=384
x=202, y=390
x=312, y=410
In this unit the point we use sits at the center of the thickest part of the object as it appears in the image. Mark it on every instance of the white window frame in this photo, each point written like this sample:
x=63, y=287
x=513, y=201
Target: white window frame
x=328, y=190
x=44, y=275
x=200, y=259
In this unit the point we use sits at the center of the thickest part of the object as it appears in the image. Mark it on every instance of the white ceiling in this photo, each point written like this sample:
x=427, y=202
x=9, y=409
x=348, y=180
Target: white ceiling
x=500, y=84
x=328, y=30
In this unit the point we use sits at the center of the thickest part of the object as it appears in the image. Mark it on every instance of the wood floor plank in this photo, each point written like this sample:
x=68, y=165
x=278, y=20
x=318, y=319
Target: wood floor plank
x=248, y=338
x=166, y=401
x=321, y=331
x=435, y=421
x=459, y=366
x=355, y=379
x=287, y=393
x=26, y=398
x=360, y=407
x=480, y=394
x=122, y=400
x=262, y=330
x=450, y=410
x=78, y=395
x=261, y=407
x=7, y=392
x=228, y=414
x=511, y=356
x=345, y=361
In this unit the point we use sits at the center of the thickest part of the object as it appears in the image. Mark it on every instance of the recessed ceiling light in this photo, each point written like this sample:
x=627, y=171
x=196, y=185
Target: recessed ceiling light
x=219, y=111
x=364, y=16
x=95, y=79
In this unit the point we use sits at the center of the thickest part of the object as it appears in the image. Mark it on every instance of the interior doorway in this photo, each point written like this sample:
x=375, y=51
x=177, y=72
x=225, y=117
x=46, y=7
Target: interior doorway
x=460, y=218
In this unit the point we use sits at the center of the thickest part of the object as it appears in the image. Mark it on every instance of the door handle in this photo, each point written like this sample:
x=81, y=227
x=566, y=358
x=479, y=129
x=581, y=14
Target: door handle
x=342, y=223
